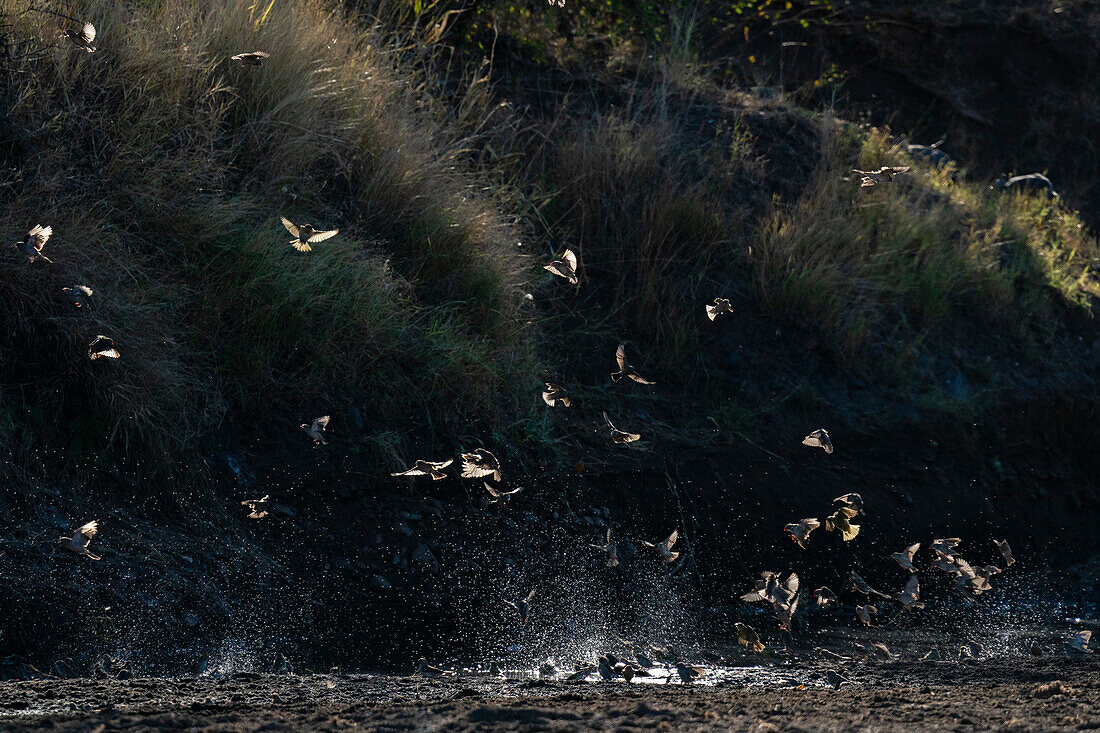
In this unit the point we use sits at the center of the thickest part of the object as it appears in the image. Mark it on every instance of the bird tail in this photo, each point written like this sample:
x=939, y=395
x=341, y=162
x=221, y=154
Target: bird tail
x=301, y=246
x=94, y=557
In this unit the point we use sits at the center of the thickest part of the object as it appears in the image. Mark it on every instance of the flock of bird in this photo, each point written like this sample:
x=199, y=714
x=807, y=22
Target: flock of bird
x=782, y=595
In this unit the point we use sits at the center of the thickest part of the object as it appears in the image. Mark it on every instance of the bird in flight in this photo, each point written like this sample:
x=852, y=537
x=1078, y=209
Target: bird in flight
x=800, y=530
x=80, y=295
x=522, y=606
x=257, y=507
x=555, y=395
x=625, y=369
x=82, y=38
x=721, y=305
x=305, y=235
x=427, y=468
x=905, y=557
x=819, y=439
x=620, y=436
x=102, y=347
x=252, y=58
x=610, y=549
x=80, y=539
x=565, y=267
x=316, y=430
x=479, y=464
x=32, y=244
x=664, y=548
x=882, y=175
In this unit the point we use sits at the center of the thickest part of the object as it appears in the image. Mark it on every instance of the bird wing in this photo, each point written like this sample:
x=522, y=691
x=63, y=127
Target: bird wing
x=912, y=550
x=629, y=437
x=492, y=492
x=440, y=464
x=321, y=422
x=894, y=170
x=570, y=260
x=608, y=421
x=712, y=311
x=88, y=292
x=85, y=534
x=40, y=235
x=471, y=469
x=410, y=472
x=290, y=226
x=530, y=595
x=322, y=236
x=672, y=538
x=912, y=586
x=88, y=33
x=640, y=379
x=620, y=356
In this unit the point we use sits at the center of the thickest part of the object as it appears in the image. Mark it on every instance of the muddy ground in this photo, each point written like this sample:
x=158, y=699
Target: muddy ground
x=1006, y=693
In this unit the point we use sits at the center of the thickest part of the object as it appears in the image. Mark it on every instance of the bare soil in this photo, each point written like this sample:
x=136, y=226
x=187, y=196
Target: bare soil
x=1016, y=694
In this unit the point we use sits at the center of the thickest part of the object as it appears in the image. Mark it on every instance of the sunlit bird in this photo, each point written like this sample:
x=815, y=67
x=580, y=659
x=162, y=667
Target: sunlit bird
x=748, y=638
x=626, y=369
x=664, y=549
x=610, y=549
x=82, y=38
x=836, y=680
x=555, y=395
x=1079, y=642
x=687, y=672
x=481, y=463
x=258, y=507
x=565, y=267
x=819, y=439
x=1006, y=551
x=839, y=522
x=427, y=468
x=102, y=347
x=305, y=235
x=851, y=501
x=32, y=244
x=721, y=305
x=80, y=540
x=905, y=557
x=620, y=436
x=945, y=547
x=825, y=597
x=909, y=597
x=80, y=296
x=860, y=585
x=864, y=614
x=800, y=530
x=882, y=175
x=316, y=430
x=252, y=58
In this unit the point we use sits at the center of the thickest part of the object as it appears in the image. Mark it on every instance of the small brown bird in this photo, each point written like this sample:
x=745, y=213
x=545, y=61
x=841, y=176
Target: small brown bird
x=687, y=672
x=882, y=175
x=102, y=347
x=819, y=439
x=80, y=539
x=32, y=244
x=625, y=369
x=610, y=549
x=305, y=235
x=860, y=585
x=836, y=680
x=905, y=558
x=1006, y=551
x=852, y=501
x=838, y=522
x=748, y=638
x=721, y=305
x=252, y=58
x=427, y=670
x=945, y=547
x=620, y=436
x=909, y=597
x=825, y=597
x=800, y=530
x=565, y=267
x=1035, y=650
x=82, y=38
x=522, y=606
x=258, y=507
x=498, y=494
x=316, y=430
x=479, y=464
x=864, y=613
x=664, y=549
x=427, y=468
x=555, y=395
x=80, y=295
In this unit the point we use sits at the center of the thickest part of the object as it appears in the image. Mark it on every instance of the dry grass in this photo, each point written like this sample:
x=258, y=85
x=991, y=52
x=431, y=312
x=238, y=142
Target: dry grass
x=882, y=270
x=163, y=167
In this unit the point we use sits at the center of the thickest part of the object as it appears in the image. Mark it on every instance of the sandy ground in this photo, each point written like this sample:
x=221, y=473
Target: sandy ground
x=1016, y=694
